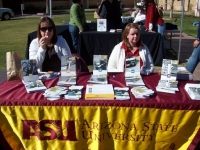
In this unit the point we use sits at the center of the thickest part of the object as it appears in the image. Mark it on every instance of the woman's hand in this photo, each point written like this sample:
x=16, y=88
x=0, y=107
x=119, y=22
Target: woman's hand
x=196, y=43
x=43, y=43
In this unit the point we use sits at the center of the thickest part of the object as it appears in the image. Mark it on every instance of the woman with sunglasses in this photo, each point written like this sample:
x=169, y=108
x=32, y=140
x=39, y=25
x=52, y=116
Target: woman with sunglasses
x=48, y=47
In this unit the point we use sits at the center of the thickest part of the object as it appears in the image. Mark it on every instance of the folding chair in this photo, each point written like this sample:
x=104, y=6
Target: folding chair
x=81, y=65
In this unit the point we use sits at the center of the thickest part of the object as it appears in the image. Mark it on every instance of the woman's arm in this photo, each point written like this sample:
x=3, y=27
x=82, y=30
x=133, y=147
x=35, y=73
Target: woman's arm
x=36, y=52
x=148, y=65
x=116, y=60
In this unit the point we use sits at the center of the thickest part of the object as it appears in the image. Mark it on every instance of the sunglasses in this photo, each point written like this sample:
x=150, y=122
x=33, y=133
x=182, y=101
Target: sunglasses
x=46, y=28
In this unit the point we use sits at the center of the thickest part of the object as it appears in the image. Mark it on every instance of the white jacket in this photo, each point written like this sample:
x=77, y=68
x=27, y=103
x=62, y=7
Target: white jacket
x=38, y=53
x=117, y=59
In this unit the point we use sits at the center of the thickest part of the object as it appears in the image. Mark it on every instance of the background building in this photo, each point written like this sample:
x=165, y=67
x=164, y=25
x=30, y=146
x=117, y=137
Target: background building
x=40, y=5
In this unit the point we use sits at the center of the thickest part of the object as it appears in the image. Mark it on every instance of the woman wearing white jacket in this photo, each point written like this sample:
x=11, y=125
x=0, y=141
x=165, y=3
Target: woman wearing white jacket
x=131, y=45
x=48, y=47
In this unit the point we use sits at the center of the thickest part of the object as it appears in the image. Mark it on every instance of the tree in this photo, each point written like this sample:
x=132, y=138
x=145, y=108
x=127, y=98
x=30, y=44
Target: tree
x=47, y=6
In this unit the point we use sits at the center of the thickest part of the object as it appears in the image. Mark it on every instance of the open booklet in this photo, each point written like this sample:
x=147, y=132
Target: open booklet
x=68, y=71
x=132, y=71
x=30, y=76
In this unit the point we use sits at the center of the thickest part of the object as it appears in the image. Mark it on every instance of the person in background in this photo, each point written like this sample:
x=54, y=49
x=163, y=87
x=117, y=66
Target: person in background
x=154, y=21
x=112, y=11
x=195, y=57
x=140, y=17
x=131, y=45
x=77, y=21
x=48, y=47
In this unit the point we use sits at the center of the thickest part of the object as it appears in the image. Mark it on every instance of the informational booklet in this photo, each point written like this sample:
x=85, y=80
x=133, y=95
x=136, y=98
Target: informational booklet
x=121, y=93
x=193, y=90
x=100, y=79
x=34, y=86
x=100, y=63
x=68, y=66
x=99, y=92
x=48, y=75
x=55, y=92
x=74, y=93
x=68, y=71
x=101, y=25
x=29, y=70
x=67, y=80
x=132, y=66
x=132, y=71
x=134, y=80
x=142, y=92
x=169, y=69
x=168, y=84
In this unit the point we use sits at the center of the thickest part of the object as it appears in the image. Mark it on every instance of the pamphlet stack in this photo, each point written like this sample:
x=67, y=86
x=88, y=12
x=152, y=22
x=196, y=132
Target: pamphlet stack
x=68, y=71
x=168, y=83
x=31, y=77
x=132, y=72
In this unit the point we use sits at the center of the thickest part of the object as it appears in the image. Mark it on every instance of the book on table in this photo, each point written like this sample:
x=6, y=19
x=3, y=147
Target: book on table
x=132, y=71
x=99, y=92
x=68, y=71
x=30, y=77
x=121, y=93
x=193, y=90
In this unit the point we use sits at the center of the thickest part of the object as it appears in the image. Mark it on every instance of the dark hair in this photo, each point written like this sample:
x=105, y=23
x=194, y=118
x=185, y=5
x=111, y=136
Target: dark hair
x=126, y=32
x=50, y=21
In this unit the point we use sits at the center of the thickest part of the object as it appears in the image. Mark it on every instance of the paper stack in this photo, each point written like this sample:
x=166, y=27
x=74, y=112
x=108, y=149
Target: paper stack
x=142, y=92
x=121, y=93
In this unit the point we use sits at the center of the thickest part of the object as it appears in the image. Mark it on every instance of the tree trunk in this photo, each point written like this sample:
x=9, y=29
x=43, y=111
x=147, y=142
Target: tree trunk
x=171, y=9
x=47, y=6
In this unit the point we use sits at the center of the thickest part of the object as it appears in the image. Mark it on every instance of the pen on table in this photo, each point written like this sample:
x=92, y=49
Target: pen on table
x=114, y=77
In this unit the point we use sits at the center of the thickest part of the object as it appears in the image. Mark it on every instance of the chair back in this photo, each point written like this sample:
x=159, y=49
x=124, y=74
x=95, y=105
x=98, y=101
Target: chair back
x=81, y=65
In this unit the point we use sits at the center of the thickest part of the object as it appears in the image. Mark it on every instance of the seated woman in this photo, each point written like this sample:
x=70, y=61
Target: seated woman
x=130, y=46
x=48, y=47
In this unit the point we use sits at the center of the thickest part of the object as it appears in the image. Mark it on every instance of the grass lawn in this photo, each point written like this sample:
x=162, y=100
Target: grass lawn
x=14, y=32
